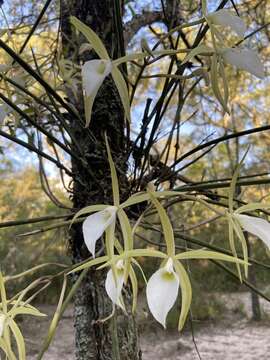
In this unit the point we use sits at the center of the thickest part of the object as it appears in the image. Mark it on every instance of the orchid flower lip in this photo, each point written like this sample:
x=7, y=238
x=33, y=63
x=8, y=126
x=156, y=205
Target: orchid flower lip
x=244, y=59
x=256, y=226
x=93, y=74
x=114, y=284
x=95, y=225
x=162, y=291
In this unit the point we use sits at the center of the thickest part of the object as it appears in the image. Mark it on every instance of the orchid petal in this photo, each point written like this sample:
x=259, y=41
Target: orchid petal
x=244, y=59
x=225, y=17
x=114, y=284
x=256, y=226
x=161, y=292
x=95, y=225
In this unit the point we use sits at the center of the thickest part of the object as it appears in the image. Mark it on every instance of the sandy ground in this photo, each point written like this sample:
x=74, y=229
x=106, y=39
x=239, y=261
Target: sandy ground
x=234, y=338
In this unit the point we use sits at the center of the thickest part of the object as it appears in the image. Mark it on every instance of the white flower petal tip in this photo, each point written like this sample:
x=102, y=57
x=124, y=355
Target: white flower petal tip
x=2, y=324
x=161, y=292
x=244, y=59
x=255, y=226
x=93, y=74
x=94, y=226
x=114, y=285
x=225, y=17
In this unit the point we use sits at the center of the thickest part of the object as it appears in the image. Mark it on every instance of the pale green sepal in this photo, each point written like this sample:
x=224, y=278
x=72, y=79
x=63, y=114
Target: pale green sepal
x=128, y=239
x=243, y=241
x=115, y=184
x=91, y=36
x=122, y=89
x=23, y=310
x=89, y=264
x=87, y=210
x=251, y=207
x=232, y=245
x=140, y=253
x=234, y=180
x=205, y=254
x=18, y=337
x=135, y=199
x=55, y=321
x=166, y=226
x=201, y=49
x=134, y=286
x=186, y=293
x=214, y=77
x=129, y=57
x=3, y=346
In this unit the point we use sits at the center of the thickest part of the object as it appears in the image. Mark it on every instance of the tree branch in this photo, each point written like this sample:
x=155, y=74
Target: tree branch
x=139, y=21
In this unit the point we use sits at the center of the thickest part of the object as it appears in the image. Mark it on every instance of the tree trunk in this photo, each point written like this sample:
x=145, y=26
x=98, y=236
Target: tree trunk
x=255, y=300
x=115, y=338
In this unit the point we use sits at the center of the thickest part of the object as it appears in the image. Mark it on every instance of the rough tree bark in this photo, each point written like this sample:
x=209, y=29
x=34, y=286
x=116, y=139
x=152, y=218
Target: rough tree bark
x=116, y=338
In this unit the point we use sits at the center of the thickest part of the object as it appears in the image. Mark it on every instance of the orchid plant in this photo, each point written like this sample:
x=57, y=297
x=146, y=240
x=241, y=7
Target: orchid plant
x=9, y=309
x=113, y=221
x=172, y=273
x=163, y=286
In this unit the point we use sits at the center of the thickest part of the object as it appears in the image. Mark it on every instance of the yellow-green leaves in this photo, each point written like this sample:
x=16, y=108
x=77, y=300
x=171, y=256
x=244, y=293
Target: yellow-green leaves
x=8, y=311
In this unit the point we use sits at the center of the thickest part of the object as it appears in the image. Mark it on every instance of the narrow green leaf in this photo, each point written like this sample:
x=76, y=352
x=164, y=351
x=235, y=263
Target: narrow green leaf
x=122, y=89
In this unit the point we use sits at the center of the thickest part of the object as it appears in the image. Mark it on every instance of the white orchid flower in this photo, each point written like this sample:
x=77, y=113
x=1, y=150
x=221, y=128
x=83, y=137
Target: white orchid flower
x=95, y=225
x=114, y=283
x=2, y=324
x=93, y=74
x=161, y=291
x=225, y=17
x=255, y=226
x=244, y=59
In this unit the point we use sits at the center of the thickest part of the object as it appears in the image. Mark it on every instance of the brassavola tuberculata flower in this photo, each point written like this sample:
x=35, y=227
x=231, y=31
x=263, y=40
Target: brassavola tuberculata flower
x=161, y=291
